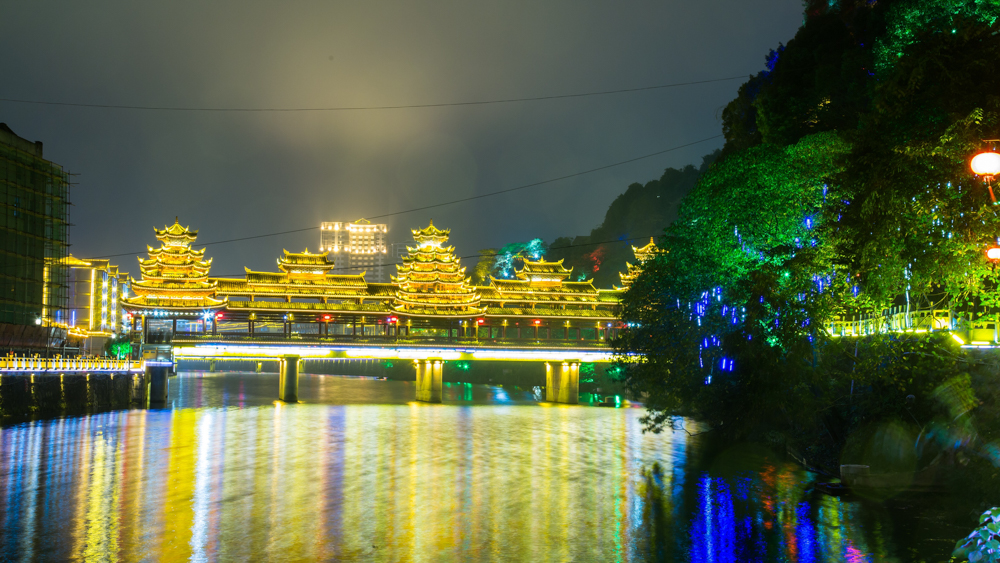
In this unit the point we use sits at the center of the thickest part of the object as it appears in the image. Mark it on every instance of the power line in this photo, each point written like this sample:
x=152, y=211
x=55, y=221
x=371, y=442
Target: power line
x=452, y=202
x=370, y=108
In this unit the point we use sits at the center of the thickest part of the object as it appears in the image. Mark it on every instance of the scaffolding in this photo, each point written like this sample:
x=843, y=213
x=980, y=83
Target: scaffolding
x=34, y=237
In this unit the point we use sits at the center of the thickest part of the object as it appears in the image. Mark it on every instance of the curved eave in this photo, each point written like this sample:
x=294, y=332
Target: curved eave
x=432, y=265
x=175, y=231
x=203, y=306
x=180, y=286
x=345, y=308
x=170, y=279
x=523, y=315
x=317, y=286
x=428, y=315
x=411, y=281
x=548, y=304
x=176, y=250
x=554, y=294
x=204, y=265
x=402, y=296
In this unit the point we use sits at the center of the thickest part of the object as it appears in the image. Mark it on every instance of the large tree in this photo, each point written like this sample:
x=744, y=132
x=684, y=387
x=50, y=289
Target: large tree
x=844, y=188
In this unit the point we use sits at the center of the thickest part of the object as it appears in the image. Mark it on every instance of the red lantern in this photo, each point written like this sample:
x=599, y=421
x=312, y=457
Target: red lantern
x=987, y=165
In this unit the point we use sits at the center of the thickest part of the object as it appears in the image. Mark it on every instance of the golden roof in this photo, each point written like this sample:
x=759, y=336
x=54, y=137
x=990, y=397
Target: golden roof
x=174, y=261
x=71, y=261
x=540, y=312
x=430, y=236
x=304, y=258
x=430, y=231
x=543, y=271
x=647, y=252
x=642, y=255
x=157, y=302
x=174, y=276
x=431, y=282
x=175, y=251
x=331, y=281
x=176, y=231
x=506, y=287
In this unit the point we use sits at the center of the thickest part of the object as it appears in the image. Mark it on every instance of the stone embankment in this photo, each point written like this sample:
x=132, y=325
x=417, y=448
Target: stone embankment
x=35, y=388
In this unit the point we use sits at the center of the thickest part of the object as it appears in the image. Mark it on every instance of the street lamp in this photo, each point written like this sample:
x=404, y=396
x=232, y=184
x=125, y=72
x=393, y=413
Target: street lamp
x=987, y=165
x=993, y=253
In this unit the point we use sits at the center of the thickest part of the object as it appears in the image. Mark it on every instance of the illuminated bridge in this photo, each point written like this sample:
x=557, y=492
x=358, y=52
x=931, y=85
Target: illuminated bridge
x=430, y=313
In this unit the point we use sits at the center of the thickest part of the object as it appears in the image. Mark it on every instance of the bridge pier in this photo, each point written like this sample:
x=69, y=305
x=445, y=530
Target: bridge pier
x=211, y=366
x=156, y=376
x=288, y=378
x=562, y=382
x=260, y=367
x=429, y=378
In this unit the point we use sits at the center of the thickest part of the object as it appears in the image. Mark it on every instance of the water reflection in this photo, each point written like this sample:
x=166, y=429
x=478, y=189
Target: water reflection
x=230, y=474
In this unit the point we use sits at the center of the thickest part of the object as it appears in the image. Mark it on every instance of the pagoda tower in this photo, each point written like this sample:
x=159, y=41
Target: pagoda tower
x=174, y=277
x=643, y=254
x=431, y=282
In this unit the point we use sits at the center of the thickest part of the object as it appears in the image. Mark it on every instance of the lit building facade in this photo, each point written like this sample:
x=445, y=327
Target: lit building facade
x=94, y=311
x=358, y=248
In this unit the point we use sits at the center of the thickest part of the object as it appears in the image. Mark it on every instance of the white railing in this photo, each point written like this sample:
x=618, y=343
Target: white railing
x=37, y=364
x=982, y=331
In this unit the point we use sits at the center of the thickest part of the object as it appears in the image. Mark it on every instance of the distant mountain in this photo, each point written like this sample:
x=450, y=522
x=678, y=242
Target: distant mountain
x=642, y=211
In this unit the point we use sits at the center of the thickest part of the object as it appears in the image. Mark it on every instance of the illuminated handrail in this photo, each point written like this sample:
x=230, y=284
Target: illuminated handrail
x=14, y=363
x=916, y=320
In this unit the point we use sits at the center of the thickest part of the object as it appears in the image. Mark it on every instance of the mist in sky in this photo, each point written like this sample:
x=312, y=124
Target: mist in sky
x=236, y=174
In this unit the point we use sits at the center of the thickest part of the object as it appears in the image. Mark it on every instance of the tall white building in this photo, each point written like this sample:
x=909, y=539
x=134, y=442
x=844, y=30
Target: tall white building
x=356, y=247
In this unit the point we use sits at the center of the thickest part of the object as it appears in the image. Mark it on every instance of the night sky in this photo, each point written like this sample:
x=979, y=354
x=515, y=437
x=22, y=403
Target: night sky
x=239, y=174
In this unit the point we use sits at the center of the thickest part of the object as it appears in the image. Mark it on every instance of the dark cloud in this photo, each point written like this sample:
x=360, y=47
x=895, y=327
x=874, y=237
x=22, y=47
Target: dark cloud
x=235, y=174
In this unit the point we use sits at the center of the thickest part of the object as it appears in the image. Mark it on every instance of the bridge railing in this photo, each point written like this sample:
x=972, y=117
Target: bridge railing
x=370, y=340
x=36, y=364
x=978, y=331
x=896, y=319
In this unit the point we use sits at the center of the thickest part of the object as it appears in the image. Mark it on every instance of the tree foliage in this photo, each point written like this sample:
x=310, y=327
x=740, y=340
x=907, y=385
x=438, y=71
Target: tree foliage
x=983, y=544
x=838, y=193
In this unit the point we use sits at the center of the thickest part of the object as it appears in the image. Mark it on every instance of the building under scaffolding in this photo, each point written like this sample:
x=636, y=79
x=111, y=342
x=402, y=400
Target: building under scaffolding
x=34, y=236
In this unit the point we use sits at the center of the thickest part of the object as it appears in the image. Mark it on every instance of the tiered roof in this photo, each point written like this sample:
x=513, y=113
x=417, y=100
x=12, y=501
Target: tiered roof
x=542, y=273
x=431, y=282
x=174, y=277
x=176, y=235
x=302, y=275
x=641, y=255
x=305, y=266
x=543, y=290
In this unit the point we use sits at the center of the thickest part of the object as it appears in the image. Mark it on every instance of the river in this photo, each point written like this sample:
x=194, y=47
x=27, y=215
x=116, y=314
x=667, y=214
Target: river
x=357, y=471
